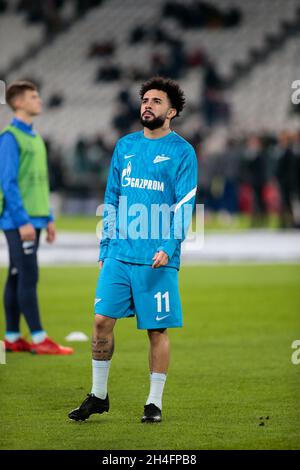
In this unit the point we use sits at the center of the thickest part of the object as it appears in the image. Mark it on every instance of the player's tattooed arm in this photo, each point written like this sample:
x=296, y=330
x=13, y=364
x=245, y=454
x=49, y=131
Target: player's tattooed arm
x=103, y=349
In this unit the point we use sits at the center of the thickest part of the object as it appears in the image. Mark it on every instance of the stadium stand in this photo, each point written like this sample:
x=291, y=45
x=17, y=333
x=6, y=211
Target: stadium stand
x=271, y=85
x=17, y=36
x=91, y=71
x=64, y=64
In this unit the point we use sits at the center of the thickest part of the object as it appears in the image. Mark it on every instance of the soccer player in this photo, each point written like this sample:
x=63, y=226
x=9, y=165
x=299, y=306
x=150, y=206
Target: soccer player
x=139, y=274
x=24, y=212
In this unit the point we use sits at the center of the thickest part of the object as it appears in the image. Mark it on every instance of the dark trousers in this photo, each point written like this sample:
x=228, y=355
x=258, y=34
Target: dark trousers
x=20, y=293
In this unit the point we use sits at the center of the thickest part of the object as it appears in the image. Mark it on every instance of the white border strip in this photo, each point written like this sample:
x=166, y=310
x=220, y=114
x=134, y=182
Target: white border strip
x=186, y=198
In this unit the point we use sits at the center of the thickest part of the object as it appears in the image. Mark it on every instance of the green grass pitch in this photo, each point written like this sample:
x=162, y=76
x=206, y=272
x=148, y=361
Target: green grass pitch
x=231, y=365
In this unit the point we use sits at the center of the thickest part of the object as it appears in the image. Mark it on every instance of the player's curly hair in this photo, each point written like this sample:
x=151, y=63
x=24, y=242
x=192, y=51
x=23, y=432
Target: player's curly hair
x=171, y=88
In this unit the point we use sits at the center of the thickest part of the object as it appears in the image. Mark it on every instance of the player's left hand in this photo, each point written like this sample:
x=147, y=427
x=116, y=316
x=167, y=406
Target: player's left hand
x=160, y=259
x=51, y=232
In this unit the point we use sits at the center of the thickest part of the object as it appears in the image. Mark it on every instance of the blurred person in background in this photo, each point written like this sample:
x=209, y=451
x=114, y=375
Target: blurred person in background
x=24, y=212
x=228, y=168
x=256, y=174
x=127, y=112
x=57, y=179
x=296, y=149
x=286, y=179
x=213, y=104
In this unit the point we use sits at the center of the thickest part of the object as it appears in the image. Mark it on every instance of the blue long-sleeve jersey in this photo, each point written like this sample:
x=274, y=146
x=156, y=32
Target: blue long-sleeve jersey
x=14, y=215
x=145, y=175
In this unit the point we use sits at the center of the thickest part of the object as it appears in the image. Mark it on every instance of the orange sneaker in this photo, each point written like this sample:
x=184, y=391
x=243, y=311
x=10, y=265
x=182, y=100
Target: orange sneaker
x=48, y=346
x=20, y=345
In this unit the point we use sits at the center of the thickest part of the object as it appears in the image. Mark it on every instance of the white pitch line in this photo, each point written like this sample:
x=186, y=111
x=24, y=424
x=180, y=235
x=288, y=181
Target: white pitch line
x=249, y=246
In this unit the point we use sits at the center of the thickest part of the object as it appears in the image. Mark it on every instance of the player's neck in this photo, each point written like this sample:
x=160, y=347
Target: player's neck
x=156, y=133
x=22, y=116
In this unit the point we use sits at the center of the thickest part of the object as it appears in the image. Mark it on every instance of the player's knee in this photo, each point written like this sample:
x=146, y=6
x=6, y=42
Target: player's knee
x=158, y=335
x=28, y=278
x=103, y=324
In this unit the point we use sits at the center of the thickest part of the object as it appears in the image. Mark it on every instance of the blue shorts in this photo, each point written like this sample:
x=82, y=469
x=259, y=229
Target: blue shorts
x=126, y=289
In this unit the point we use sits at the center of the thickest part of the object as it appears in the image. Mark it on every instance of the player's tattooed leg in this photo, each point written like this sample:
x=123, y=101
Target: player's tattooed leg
x=103, y=348
x=103, y=338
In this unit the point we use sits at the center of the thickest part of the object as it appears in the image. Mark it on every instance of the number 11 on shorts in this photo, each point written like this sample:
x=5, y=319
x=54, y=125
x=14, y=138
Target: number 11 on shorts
x=159, y=298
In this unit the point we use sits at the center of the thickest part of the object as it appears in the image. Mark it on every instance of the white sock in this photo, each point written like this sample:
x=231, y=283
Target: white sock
x=100, y=377
x=12, y=337
x=38, y=336
x=157, y=383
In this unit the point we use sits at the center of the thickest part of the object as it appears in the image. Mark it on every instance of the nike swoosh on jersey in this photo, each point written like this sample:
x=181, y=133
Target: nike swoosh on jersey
x=96, y=301
x=160, y=158
x=161, y=318
x=129, y=156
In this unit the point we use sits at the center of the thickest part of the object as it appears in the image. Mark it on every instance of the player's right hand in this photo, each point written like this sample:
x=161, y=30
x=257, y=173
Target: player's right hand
x=27, y=232
x=100, y=264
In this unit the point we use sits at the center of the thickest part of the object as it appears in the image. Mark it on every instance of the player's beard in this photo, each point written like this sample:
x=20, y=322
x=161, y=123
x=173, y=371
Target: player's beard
x=153, y=124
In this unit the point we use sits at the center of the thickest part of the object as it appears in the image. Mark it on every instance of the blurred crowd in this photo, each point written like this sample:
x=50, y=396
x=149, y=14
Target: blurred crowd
x=169, y=58
x=49, y=12
x=200, y=14
x=255, y=174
